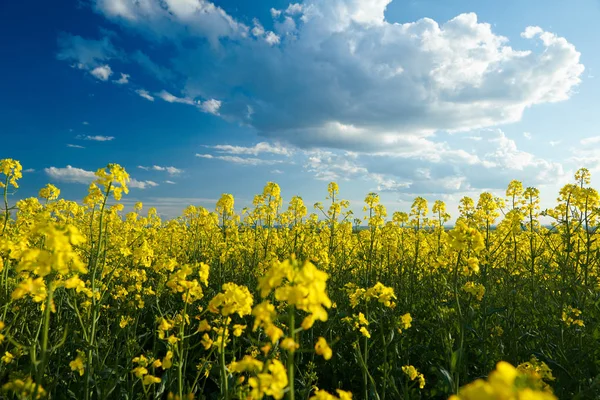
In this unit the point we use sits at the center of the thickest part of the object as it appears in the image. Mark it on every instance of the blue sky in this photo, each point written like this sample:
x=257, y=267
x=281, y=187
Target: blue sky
x=194, y=98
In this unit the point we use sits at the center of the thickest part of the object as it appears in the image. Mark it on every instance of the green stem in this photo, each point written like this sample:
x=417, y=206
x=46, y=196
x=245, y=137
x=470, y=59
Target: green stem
x=45, y=331
x=290, y=360
x=94, y=319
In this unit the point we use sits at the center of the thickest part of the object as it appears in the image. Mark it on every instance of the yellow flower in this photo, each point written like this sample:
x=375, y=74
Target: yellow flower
x=270, y=383
x=406, y=321
x=77, y=364
x=344, y=395
x=414, y=374
x=167, y=361
x=12, y=169
x=7, y=358
x=503, y=383
x=140, y=372
x=289, y=344
x=321, y=394
x=206, y=341
x=248, y=363
x=238, y=330
x=25, y=388
x=49, y=192
x=323, y=349
x=233, y=299
x=172, y=339
x=365, y=332
x=36, y=288
x=150, y=380
x=362, y=320
x=203, y=326
x=125, y=320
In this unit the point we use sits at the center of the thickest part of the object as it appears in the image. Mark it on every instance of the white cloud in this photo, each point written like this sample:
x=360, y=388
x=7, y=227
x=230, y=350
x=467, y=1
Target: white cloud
x=349, y=66
x=85, y=123
x=327, y=165
x=258, y=30
x=590, y=140
x=275, y=13
x=170, y=182
x=124, y=79
x=262, y=147
x=239, y=160
x=437, y=168
x=554, y=143
x=277, y=171
x=70, y=174
x=170, y=170
x=144, y=94
x=272, y=38
x=102, y=72
x=134, y=183
x=527, y=135
x=75, y=146
x=95, y=138
x=28, y=170
x=174, y=19
x=211, y=106
x=168, y=97
x=294, y=8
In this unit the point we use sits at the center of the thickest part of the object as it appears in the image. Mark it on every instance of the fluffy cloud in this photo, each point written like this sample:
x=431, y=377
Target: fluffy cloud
x=134, y=183
x=356, y=78
x=240, y=160
x=168, y=97
x=170, y=170
x=440, y=169
x=174, y=19
x=144, y=94
x=262, y=147
x=70, y=174
x=211, y=106
x=122, y=80
x=102, y=72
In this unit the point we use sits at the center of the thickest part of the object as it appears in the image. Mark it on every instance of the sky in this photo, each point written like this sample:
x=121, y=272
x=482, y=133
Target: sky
x=433, y=98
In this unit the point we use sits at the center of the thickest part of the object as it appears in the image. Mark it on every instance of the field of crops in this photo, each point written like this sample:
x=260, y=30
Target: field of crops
x=298, y=302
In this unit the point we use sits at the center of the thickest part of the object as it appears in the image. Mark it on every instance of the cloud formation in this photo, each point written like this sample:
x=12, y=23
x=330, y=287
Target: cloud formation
x=240, y=160
x=134, y=183
x=71, y=174
x=262, y=147
x=491, y=164
x=95, y=138
x=144, y=94
x=170, y=170
x=359, y=81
